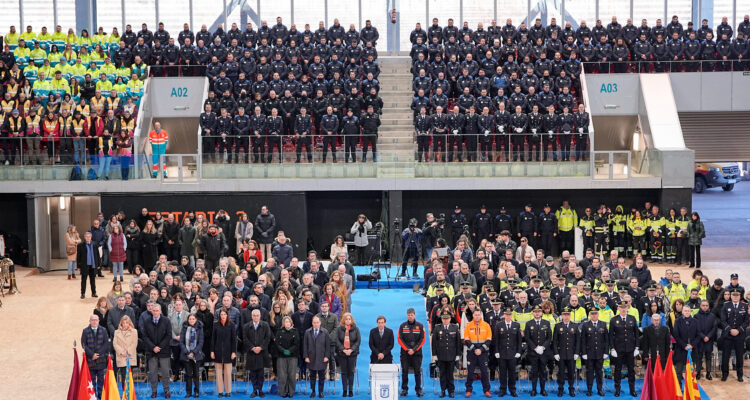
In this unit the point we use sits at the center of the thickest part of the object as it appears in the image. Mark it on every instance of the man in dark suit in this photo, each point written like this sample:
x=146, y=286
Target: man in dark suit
x=655, y=341
x=381, y=343
x=316, y=349
x=95, y=343
x=685, y=334
x=302, y=320
x=88, y=261
x=625, y=338
x=507, y=337
x=157, y=333
x=594, y=349
x=256, y=338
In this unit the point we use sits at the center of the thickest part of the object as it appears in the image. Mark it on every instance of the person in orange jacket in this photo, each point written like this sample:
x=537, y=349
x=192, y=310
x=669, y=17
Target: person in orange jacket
x=477, y=339
x=158, y=138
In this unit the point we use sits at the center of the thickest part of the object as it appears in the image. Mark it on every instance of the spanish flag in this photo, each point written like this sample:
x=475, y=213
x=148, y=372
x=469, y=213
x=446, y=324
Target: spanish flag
x=110, y=391
x=691, y=385
x=670, y=378
x=128, y=390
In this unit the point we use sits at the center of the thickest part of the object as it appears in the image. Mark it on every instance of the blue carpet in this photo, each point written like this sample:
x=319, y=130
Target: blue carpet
x=367, y=305
x=395, y=282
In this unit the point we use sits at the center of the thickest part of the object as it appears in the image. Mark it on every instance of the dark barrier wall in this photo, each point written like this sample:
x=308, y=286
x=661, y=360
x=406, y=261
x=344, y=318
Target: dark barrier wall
x=13, y=221
x=289, y=209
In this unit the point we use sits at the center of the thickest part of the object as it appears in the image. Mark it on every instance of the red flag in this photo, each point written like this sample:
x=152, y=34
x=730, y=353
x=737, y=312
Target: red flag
x=648, y=392
x=671, y=383
x=86, y=389
x=73, y=387
x=659, y=382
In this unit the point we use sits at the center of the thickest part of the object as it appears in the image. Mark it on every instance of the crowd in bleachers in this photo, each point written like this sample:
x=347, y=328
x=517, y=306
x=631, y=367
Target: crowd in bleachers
x=505, y=70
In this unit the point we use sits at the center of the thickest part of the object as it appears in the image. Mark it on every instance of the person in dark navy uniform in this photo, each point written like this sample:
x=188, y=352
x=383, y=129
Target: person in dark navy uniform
x=482, y=225
x=547, y=229
x=566, y=344
x=458, y=221
x=624, y=336
x=507, y=338
x=734, y=320
x=594, y=350
x=538, y=336
x=493, y=316
x=446, y=351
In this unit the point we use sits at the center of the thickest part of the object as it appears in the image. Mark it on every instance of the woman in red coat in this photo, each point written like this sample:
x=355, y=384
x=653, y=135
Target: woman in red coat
x=117, y=246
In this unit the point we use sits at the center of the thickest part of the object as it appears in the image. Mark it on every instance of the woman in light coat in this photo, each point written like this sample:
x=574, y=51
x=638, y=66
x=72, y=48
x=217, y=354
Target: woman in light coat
x=243, y=230
x=71, y=249
x=125, y=343
x=359, y=229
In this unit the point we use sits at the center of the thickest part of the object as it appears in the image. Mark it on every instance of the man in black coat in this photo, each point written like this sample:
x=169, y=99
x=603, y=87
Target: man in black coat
x=411, y=337
x=734, y=320
x=256, y=338
x=88, y=261
x=157, y=333
x=214, y=245
x=538, y=335
x=381, y=343
x=625, y=337
x=594, y=349
x=706, y=337
x=316, y=349
x=446, y=351
x=566, y=343
x=302, y=320
x=685, y=333
x=655, y=341
x=507, y=337
x=95, y=343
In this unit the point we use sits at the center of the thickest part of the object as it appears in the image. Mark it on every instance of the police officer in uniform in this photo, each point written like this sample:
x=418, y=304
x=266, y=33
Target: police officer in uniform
x=303, y=133
x=482, y=225
x=422, y=128
x=439, y=124
x=547, y=228
x=506, y=336
x=503, y=222
x=478, y=341
x=624, y=336
x=538, y=336
x=350, y=129
x=275, y=127
x=370, y=122
x=565, y=342
x=446, y=351
x=581, y=122
x=734, y=320
x=458, y=221
x=594, y=349
x=329, y=127
x=241, y=129
x=411, y=337
x=493, y=316
x=519, y=123
x=455, y=130
x=527, y=225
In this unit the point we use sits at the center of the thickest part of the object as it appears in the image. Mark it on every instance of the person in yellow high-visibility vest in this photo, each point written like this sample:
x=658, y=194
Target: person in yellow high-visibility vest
x=158, y=138
x=567, y=220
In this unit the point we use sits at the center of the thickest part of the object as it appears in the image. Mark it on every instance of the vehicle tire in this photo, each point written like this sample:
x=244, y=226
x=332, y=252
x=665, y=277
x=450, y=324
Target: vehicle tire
x=700, y=184
x=728, y=188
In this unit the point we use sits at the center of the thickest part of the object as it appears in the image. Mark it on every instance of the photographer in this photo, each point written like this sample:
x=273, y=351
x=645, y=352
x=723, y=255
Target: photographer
x=359, y=230
x=430, y=234
x=411, y=236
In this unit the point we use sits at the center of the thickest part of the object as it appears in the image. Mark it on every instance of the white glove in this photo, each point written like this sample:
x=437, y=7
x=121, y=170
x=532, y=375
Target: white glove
x=533, y=130
x=557, y=357
x=606, y=356
x=518, y=355
x=539, y=350
x=519, y=130
x=566, y=132
x=580, y=130
x=501, y=128
x=497, y=355
x=458, y=358
x=486, y=132
x=635, y=353
x=585, y=357
x=434, y=358
x=455, y=131
x=614, y=353
x=550, y=132
x=575, y=356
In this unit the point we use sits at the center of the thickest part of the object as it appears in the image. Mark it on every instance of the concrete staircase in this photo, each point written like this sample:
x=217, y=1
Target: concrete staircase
x=396, y=144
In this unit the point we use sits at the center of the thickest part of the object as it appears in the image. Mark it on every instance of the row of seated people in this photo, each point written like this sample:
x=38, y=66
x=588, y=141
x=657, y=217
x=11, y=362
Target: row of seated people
x=511, y=132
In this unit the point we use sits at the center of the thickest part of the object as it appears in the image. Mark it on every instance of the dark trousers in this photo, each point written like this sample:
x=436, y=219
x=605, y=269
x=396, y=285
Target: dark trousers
x=329, y=141
x=594, y=369
x=695, y=256
x=565, y=371
x=736, y=343
x=132, y=257
x=588, y=242
x=538, y=372
x=473, y=362
x=471, y=148
x=517, y=147
x=438, y=146
x=413, y=362
x=320, y=377
x=502, y=143
x=192, y=377
x=567, y=241
x=507, y=374
x=97, y=379
x=639, y=245
x=90, y=273
x=172, y=251
x=565, y=147
x=225, y=144
x=547, y=141
x=304, y=141
x=446, y=376
x=369, y=141
x=243, y=142
x=350, y=147
x=581, y=147
x=259, y=149
x=535, y=143
x=698, y=357
x=361, y=253
x=682, y=250
x=624, y=357
x=423, y=147
x=410, y=253
x=546, y=241
x=256, y=378
x=457, y=141
x=600, y=244
x=272, y=141
x=208, y=145
x=347, y=364
x=485, y=147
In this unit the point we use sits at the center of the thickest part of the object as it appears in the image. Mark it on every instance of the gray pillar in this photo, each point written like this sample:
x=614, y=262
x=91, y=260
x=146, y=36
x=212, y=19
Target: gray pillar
x=22, y=27
x=122, y=9
x=54, y=10
x=395, y=210
x=84, y=15
x=291, y=13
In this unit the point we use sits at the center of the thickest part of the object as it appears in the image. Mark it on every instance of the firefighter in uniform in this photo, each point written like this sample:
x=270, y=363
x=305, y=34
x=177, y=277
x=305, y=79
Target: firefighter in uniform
x=411, y=336
x=567, y=219
x=601, y=232
x=594, y=349
x=587, y=229
x=670, y=224
x=538, y=335
x=506, y=336
x=618, y=224
x=734, y=321
x=446, y=351
x=637, y=227
x=458, y=221
x=624, y=336
x=547, y=228
x=566, y=343
x=682, y=237
x=482, y=225
x=656, y=231
x=477, y=339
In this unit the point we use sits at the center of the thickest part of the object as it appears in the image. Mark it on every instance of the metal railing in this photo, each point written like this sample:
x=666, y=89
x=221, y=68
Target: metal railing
x=611, y=165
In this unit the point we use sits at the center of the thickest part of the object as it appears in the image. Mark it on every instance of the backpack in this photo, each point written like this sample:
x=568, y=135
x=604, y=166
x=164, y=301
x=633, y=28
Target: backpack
x=91, y=175
x=75, y=173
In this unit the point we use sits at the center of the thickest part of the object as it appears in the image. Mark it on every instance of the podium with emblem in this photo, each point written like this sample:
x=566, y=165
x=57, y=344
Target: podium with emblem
x=384, y=381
